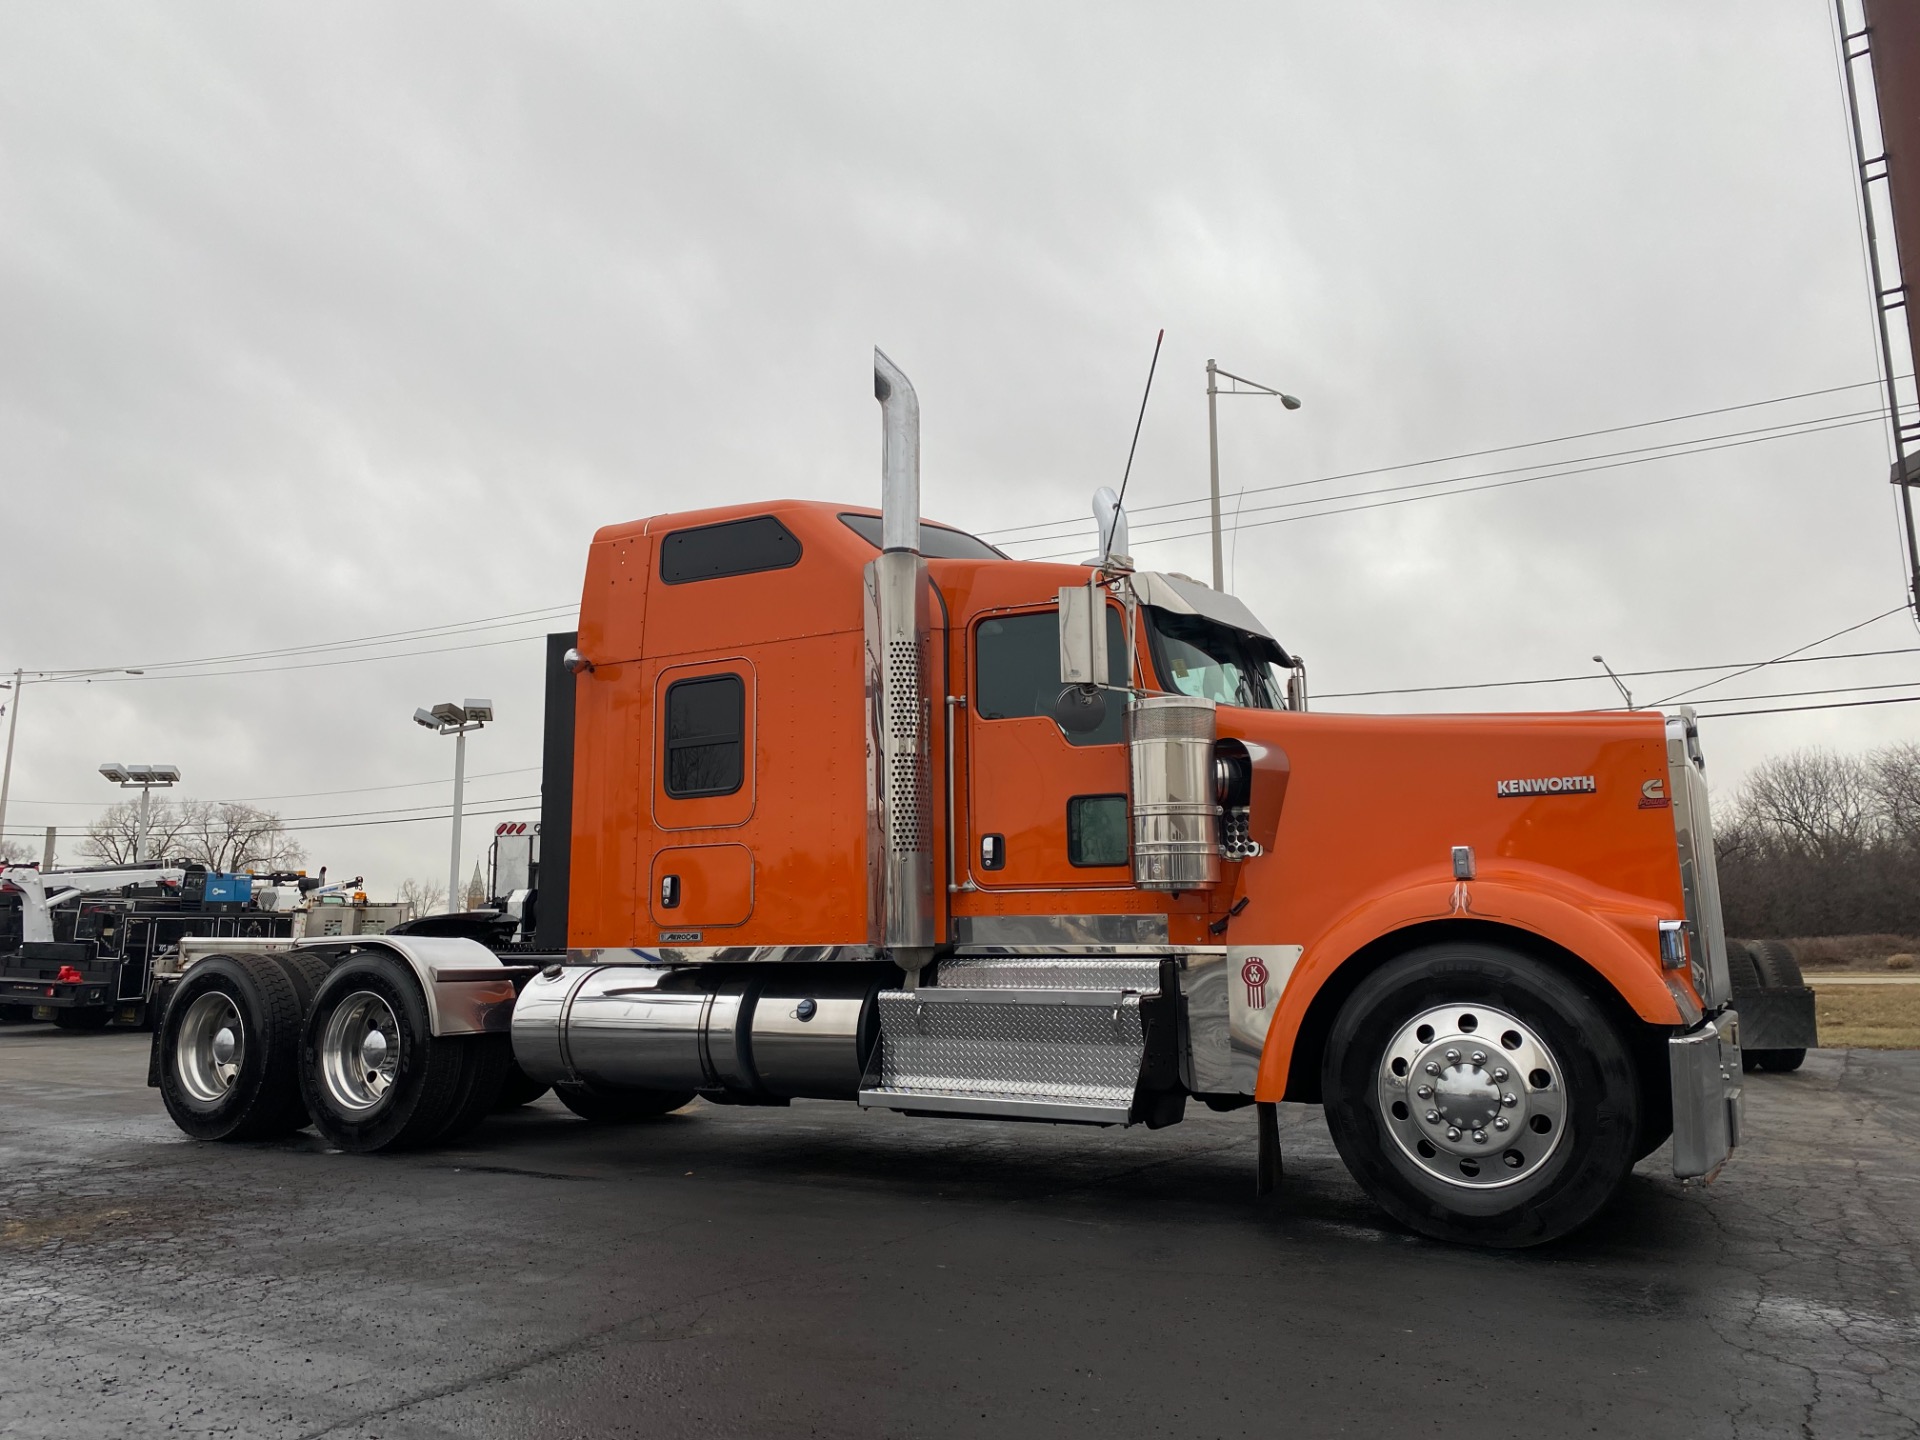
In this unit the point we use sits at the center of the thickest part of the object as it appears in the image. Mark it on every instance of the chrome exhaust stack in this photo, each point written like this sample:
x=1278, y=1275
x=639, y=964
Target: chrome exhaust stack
x=900, y=905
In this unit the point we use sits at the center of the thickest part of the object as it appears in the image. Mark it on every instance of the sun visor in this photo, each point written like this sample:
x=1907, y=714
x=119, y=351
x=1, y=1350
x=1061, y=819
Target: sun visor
x=1184, y=596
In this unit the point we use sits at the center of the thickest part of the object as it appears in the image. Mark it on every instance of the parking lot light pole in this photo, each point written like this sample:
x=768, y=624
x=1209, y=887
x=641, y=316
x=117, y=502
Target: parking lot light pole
x=1214, y=375
x=456, y=720
x=142, y=778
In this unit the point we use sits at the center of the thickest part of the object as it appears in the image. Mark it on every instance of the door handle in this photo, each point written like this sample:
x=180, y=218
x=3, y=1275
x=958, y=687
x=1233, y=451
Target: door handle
x=669, y=892
x=993, y=852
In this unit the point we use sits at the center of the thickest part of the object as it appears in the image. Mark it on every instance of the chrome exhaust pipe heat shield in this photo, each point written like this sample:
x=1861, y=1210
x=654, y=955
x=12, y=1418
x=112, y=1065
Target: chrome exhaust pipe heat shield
x=899, y=702
x=1176, y=817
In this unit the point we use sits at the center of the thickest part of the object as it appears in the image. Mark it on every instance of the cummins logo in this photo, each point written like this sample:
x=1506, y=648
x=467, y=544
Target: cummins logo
x=1547, y=785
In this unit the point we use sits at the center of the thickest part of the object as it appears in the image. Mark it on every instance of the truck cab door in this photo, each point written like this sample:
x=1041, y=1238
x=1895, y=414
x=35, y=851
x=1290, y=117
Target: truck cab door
x=1045, y=809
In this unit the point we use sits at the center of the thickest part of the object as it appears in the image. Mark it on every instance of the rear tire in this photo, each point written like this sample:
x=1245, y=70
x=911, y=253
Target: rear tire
x=620, y=1107
x=373, y=1073
x=229, y=1043
x=93, y=1017
x=1507, y=1038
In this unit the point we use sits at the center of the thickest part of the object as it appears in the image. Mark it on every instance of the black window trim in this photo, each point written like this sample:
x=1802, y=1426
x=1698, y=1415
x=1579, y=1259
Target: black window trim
x=847, y=517
x=799, y=550
x=668, y=744
x=1098, y=864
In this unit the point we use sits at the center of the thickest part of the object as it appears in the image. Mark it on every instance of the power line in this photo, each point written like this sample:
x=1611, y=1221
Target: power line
x=308, y=794
x=1668, y=450
x=1705, y=684
x=1472, y=489
x=318, y=664
x=422, y=632
x=1470, y=454
x=1624, y=674
x=1796, y=709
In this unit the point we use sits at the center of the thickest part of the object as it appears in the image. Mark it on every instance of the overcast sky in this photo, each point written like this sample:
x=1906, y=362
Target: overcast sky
x=325, y=322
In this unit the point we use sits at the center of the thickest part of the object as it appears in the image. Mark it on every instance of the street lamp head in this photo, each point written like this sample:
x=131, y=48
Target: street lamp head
x=426, y=718
x=448, y=713
x=479, y=711
x=1599, y=659
x=1292, y=402
x=164, y=774
x=115, y=771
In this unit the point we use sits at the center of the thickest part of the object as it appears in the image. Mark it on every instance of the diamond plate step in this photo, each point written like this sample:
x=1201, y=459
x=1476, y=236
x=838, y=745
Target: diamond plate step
x=1014, y=1037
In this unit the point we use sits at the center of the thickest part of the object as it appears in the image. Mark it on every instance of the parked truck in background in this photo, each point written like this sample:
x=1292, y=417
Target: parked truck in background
x=848, y=805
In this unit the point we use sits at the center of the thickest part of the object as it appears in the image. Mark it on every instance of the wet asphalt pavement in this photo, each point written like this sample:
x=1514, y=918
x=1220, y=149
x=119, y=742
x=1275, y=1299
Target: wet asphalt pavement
x=817, y=1271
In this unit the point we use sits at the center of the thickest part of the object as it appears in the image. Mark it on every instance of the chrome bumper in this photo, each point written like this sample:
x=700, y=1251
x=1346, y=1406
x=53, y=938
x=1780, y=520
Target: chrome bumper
x=1705, y=1065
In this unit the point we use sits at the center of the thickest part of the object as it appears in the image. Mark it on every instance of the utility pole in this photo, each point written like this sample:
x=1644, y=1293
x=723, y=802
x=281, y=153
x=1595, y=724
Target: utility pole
x=13, y=724
x=1254, y=387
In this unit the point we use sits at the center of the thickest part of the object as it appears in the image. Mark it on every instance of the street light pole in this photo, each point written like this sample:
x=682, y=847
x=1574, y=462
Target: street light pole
x=1213, y=466
x=459, y=786
x=13, y=721
x=144, y=778
x=1254, y=387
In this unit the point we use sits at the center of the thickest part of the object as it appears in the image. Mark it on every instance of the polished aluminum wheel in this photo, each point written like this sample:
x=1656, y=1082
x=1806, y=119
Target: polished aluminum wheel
x=360, y=1053
x=211, y=1047
x=1473, y=1096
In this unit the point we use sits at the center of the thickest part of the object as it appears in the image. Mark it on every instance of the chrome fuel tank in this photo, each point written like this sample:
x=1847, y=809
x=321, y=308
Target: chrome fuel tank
x=747, y=1037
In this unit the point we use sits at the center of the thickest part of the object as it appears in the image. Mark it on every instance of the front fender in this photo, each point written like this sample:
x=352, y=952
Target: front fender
x=467, y=989
x=1617, y=935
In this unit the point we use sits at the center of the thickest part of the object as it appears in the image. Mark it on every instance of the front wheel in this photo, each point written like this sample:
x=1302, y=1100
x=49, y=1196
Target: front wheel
x=1481, y=1097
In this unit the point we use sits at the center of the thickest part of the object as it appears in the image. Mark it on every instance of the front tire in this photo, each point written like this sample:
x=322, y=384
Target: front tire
x=1435, y=1050
x=374, y=1075
x=229, y=1042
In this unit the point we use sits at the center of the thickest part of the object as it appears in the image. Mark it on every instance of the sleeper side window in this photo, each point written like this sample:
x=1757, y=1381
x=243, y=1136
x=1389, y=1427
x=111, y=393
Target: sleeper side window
x=706, y=735
x=1017, y=665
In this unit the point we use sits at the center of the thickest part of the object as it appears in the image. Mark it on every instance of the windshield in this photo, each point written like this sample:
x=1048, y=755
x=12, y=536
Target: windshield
x=1203, y=658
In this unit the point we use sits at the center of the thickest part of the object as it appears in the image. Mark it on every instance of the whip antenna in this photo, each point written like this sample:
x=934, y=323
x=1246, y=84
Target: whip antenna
x=1154, y=364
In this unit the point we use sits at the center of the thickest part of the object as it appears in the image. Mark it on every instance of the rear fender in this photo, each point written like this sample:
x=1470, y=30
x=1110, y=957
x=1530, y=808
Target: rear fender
x=468, y=991
x=1617, y=937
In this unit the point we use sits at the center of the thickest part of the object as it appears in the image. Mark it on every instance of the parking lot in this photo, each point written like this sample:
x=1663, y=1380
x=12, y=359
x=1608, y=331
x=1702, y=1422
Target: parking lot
x=820, y=1271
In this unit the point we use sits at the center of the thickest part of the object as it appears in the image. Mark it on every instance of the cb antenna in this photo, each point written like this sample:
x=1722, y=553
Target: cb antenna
x=1151, y=367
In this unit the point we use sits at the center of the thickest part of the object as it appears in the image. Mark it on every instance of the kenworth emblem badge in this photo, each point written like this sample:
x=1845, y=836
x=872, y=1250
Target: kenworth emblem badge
x=1547, y=785
x=1254, y=975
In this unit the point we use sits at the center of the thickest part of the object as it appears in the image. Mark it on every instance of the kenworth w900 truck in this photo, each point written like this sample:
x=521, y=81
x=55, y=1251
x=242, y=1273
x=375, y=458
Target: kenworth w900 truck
x=848, y=805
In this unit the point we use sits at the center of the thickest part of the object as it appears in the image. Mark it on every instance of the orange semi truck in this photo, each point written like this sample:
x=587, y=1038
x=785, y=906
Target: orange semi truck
x=844, y=804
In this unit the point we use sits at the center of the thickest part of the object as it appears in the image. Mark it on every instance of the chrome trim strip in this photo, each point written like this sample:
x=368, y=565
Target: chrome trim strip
x=1025, y=932
x=722, y=955
x=989, y=1108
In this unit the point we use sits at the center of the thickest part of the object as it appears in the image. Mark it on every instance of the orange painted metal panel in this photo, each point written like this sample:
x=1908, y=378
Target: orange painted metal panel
x=715, y=885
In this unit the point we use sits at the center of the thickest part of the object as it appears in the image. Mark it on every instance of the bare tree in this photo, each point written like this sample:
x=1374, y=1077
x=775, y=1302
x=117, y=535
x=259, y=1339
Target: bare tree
x=14, y=852
x=1812, y=800
x=222, y=835
x=1896, y=786
x=422, y=898
x=114, y=838
x=225, y=835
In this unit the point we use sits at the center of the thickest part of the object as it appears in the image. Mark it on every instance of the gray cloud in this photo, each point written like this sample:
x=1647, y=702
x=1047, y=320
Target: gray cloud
x=322, y=322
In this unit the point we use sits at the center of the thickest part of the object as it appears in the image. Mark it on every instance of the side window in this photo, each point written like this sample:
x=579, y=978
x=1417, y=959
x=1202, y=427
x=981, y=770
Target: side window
x=733, y=547
x=1097, y=830
x=705, y=735
x=1017, y=670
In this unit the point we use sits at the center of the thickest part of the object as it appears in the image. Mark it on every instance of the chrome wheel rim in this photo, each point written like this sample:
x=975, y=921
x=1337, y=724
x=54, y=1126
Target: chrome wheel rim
x=360, y=1052
x=211, y=1049
x=1473, y=1096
